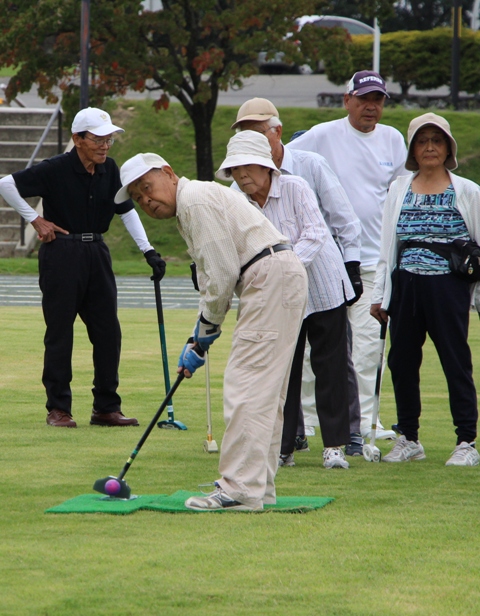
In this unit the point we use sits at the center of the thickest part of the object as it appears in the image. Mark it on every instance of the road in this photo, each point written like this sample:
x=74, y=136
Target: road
x=133, y=292
x=282, y=90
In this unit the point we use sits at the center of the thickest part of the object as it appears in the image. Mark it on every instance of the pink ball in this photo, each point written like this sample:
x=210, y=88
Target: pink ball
x=112, y=487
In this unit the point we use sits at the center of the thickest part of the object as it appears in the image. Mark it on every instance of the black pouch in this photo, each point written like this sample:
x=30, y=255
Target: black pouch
x=463, y=256
x=464, y=260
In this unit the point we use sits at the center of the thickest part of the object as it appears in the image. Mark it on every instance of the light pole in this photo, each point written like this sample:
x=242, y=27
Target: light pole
x=84, y=52
x=457, y=24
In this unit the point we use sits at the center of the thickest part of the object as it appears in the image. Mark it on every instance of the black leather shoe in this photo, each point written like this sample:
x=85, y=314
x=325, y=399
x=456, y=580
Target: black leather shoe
x=60, y=419
x=112, y=419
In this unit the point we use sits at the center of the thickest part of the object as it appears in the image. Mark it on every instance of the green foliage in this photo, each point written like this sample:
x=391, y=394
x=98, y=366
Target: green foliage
x=407, y=529
x=422, y=59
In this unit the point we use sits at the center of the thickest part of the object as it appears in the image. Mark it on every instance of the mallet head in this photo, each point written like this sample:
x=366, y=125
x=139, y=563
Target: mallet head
x=372, y=453
x=112, y=486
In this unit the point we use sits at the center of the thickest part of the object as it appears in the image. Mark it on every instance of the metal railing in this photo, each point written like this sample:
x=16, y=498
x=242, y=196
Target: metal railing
x=56, y=115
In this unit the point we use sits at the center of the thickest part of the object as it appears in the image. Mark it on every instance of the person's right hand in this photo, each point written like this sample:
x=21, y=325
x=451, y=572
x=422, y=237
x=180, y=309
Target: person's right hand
x=380, y=314
x=46, y=229
x=191, y=358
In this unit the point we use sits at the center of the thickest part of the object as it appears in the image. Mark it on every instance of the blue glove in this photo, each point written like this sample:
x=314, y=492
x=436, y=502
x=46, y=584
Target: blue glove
x=191, y=357
x=206, y=333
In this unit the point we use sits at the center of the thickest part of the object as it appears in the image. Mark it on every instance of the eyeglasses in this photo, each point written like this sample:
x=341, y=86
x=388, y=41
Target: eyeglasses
x=108, y=142
x=436, y=141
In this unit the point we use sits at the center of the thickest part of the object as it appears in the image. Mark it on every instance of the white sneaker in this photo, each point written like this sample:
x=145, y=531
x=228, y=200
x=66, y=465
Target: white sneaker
x=464, y=454
x=286, y=460
x=381, y=434
x=404, y=450
x=309, y=430
x=218, y=500
x=333, y=457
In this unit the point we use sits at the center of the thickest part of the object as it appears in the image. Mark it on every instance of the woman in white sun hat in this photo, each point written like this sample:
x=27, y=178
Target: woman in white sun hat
x=424, y=214
x=290, y=204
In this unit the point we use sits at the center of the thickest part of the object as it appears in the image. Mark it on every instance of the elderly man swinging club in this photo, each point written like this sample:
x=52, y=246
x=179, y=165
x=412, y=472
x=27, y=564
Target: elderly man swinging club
x=237, y=250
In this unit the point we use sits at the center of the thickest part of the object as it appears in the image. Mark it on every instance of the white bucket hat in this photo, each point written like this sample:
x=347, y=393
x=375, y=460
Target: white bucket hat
x=246, y=148
x=95, y=121
x=430, y=119
x=134, y=168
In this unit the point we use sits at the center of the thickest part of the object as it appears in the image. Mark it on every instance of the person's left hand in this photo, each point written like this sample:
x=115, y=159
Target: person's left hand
x=353, y=271
x=191, y=358
x=206, y=333
x=158, y=265
x=378, y=313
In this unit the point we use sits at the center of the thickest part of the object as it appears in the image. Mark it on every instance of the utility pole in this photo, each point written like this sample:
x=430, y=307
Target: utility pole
x=84, y=53
x=457, y=24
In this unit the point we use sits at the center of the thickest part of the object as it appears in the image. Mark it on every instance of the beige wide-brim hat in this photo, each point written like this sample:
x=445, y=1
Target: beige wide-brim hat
x=246, y=148
x=134, y=168
x=430, y=119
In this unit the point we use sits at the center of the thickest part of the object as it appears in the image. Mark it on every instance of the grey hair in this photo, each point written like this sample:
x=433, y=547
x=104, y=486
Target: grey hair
x=273, y=122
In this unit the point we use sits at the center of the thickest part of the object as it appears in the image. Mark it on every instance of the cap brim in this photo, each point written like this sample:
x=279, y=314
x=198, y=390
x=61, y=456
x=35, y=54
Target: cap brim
x=123, y=194
x=239, y=160
x=367, y=90
x=105, y=129
x=254, y=117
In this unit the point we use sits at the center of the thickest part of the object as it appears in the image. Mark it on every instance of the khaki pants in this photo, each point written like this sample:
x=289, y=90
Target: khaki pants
x=273, y=296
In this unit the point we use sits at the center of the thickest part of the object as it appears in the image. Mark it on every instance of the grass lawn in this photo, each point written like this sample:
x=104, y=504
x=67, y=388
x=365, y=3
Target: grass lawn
x=397, y=540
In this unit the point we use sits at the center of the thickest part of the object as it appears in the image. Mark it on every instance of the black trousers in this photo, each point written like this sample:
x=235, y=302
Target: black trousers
x=327, y=335
x=76, y=278
x=439, y=306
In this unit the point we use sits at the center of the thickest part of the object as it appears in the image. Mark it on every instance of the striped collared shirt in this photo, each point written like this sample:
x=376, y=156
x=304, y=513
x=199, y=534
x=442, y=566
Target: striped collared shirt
x=292, y=208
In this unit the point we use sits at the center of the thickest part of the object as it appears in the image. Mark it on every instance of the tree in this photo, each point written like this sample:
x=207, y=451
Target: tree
x=190, y=50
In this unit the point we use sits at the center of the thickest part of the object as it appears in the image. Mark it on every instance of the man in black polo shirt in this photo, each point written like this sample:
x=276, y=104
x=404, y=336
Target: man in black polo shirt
x=76, y=277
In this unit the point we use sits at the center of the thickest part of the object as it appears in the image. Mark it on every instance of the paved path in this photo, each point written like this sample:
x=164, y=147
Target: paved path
x=133, y=292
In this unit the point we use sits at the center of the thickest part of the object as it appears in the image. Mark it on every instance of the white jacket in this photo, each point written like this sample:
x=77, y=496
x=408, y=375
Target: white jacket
x=468, y=203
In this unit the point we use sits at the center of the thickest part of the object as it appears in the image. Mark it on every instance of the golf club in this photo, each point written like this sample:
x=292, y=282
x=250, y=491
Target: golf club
x=117, y=487
x=169, y=423
x=371, y=453
x=210, y=445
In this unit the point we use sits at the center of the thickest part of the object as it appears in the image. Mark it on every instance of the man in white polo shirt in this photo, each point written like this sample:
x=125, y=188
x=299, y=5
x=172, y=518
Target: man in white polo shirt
x=367, y=157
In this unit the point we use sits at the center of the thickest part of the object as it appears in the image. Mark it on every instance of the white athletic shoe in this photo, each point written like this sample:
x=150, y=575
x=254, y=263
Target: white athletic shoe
x=381, y=433
x=404, y=450
x=333, y=457
x=218, y=500
x=464, y=454
x=309, y=430
x=286, y=460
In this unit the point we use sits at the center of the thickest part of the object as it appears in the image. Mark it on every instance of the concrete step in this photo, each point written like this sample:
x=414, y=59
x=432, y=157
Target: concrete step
x=27, y=133
x=9, y=216
x=7, y=249
x=24, y=116
x=10, y=232
x=22, y=149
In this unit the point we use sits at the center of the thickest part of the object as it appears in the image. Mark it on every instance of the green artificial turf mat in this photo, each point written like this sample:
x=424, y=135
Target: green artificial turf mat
x=175, y=503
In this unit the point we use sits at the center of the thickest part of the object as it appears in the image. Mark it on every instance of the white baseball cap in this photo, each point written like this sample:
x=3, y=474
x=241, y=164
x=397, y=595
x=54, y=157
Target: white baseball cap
x=247, y=148
x=95, y=121
x=134, y=168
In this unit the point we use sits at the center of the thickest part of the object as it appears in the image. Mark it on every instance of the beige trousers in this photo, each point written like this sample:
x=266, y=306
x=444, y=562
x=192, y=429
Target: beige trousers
x=272, y=299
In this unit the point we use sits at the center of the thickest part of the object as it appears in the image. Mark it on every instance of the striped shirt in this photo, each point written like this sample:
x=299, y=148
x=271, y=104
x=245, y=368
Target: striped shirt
x=429, y=218
x=292, y=208
x=223, y=233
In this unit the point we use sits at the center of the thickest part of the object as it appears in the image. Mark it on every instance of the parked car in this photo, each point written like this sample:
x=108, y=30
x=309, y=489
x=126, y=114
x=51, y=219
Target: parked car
x=276, y=64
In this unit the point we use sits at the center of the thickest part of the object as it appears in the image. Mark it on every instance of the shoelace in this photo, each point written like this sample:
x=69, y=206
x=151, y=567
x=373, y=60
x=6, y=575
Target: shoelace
x=460, y=450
